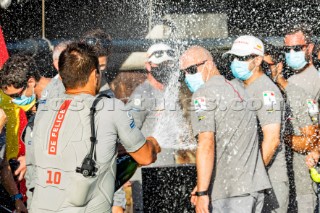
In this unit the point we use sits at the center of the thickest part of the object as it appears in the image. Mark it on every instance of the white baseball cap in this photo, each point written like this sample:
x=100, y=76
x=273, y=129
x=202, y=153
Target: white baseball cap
x=159, y=53
x=246, y=45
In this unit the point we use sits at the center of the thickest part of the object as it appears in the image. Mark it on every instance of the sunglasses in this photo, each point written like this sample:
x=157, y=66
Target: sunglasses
x=241, y=58
x=95, y=41
x=160, y=53
x=296, y=48
x=18, y=94
x=193, y=69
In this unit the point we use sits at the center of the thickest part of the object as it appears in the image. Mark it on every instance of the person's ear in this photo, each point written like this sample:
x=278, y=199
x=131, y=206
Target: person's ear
x=31, y=82
x=310, y=49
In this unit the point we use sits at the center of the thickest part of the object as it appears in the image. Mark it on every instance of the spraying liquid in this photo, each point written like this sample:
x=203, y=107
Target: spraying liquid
x=172, y=129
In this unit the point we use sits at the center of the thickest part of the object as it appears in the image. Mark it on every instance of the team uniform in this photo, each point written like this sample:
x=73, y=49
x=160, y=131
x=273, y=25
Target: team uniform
x=146, y=105
x=308, y=80
x=53, y=91
x=239, y=177
x=268, y=99
x=61, y=140
x=299, y=102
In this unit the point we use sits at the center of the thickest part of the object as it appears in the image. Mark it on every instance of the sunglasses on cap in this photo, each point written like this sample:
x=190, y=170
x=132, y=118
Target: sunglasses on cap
x=193, y=69
x=296, y=48
x=17, y=94
x=241, y=58
x=160, y=53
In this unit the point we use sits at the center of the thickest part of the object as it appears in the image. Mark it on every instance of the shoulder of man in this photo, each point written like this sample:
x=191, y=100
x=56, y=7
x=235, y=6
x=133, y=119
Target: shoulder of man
x=110, y=105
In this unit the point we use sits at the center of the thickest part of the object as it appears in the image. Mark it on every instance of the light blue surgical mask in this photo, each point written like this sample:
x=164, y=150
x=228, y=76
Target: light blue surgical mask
x=296, y=60
x=194, y=81
x=24, y=100
x=240, y=70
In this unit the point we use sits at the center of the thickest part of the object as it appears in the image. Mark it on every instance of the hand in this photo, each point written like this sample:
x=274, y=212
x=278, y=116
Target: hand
x=193, y=199
x=117, y=209
x=21, y=171
x=312, y=158
x=20, y=207
x=3, y=119
x=155, y=143
x=202, y=204
x=276, y=70
x=127, y=184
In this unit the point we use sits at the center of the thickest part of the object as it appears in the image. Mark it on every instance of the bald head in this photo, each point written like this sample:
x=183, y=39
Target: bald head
x=194, y=55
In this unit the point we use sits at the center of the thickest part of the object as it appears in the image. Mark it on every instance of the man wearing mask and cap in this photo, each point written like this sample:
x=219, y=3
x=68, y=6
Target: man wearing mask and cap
x=146, y=105
x=246, y=56
x=229, y=163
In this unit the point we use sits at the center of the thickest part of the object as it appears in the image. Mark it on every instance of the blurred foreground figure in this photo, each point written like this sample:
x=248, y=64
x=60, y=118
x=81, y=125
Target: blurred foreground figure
x=228, y=156
x=246, y=56
x=75, y=140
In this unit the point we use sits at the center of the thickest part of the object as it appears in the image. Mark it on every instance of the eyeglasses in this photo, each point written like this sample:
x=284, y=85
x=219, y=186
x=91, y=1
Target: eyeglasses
x=160, y=53
x=18, y=94
x=193, y=69
x=241, y=58
x=296, y=48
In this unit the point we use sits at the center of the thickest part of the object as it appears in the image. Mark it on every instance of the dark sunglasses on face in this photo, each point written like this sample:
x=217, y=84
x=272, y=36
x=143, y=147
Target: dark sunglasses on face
x=193, y=69
x=160, y=53
x=241, y=58
x=296, y=48
x=18, y=94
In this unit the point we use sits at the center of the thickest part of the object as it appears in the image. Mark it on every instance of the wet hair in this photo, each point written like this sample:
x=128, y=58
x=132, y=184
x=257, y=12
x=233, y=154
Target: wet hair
x=305, y=29
x=76, y=63
x=315, y=52
x=100, y=40
x=18, y=70
x=316, y=48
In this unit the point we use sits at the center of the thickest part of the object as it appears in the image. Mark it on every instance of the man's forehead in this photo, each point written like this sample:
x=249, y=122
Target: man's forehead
x=187, y=60
x=297, y=38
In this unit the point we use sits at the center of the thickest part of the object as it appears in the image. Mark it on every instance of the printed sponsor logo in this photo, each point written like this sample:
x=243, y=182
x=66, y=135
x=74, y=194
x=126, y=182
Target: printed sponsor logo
x=54, y=133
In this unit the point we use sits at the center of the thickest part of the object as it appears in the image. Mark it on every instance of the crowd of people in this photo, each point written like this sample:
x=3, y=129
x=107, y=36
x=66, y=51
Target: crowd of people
x=257, y=134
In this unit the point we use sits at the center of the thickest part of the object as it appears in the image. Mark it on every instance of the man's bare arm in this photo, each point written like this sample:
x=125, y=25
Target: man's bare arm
x=147, y=154
x=271, y=141
x=307, y=141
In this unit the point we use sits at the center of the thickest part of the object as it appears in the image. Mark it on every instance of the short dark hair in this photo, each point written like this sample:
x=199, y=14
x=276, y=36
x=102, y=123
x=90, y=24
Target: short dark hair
x=17, y=70
x=76, y=63
x=100, y=40
x=304, y=28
